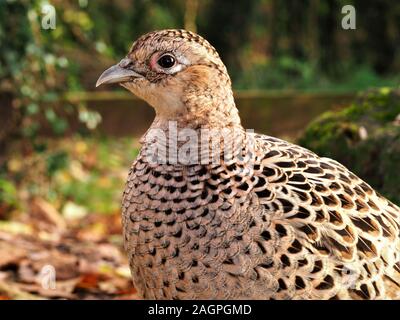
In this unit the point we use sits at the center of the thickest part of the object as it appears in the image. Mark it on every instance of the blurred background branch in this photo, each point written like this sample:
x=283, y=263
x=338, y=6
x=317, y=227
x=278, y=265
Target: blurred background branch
x=190, y=15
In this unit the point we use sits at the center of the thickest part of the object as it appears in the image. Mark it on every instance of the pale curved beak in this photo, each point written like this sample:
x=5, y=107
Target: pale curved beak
x=116, y=74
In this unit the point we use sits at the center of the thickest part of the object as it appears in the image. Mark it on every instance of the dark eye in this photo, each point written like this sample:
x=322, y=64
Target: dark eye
x=166, y=61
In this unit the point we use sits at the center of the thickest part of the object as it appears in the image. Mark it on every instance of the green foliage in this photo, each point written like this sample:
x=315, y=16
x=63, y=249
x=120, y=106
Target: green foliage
x=287, y=72
x=94, y=174
x=56, y=161
x=284, y=72
x=8, y=192
x=35, y=72
x=87, y=172
x=365, y=137
x=266, y=44
x=118, y=23
x=33, y=66
x=275, y=44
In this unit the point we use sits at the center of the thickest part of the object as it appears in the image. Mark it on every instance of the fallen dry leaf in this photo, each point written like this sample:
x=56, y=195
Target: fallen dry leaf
x=84, y=258
x=9, y=254
x=44, y=214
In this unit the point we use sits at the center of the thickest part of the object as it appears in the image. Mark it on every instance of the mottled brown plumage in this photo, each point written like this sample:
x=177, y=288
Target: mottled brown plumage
x=274, y=221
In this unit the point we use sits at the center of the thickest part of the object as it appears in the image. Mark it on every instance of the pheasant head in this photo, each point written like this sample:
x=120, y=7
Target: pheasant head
x=181, y=76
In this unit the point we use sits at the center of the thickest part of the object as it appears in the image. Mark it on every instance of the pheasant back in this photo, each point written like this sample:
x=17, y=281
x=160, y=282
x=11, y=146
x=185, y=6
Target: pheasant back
x=285, y=225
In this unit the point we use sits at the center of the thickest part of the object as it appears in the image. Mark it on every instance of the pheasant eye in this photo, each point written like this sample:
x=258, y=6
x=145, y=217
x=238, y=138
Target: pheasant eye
x=166, y=61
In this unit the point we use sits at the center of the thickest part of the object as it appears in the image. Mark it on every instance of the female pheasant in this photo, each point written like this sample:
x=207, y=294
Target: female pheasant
x=263, y=219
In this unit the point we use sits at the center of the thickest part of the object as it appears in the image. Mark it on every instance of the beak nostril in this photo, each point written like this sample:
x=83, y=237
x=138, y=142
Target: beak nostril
x=126, y=63
x=117, y=74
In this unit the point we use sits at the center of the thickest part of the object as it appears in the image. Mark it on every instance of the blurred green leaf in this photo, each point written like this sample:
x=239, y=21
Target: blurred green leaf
x=8, y=192
x=56, y=161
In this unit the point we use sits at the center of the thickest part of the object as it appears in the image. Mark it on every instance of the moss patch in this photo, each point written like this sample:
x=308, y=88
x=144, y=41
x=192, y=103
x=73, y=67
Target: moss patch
x=365, y=137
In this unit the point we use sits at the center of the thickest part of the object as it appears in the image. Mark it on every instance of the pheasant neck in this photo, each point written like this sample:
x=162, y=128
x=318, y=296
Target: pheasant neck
x=207, y=127
x=167, y=142
x=211, y=109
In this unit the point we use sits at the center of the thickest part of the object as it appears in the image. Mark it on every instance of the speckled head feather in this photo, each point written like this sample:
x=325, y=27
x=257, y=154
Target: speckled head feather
x=283, y=224
x=171, y=36
x=182, y=76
